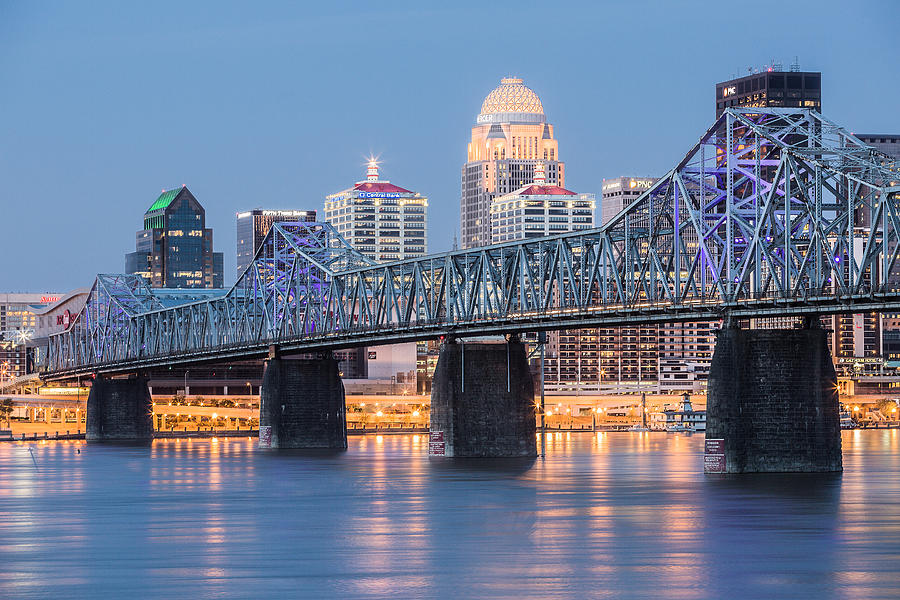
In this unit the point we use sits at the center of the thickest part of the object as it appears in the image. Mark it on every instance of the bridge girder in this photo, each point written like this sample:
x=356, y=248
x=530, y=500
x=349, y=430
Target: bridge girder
x=773, y=211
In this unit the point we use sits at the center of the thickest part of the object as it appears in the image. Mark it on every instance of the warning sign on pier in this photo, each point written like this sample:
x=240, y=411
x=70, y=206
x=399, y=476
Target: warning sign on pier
x=436, y=443
x=714, y=456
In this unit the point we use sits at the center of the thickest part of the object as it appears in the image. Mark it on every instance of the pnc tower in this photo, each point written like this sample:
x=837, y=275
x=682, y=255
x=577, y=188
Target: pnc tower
x=510, y=137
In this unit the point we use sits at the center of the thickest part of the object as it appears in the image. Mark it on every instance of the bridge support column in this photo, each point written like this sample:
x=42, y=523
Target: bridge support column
x=119, y=410
x=482, y=401
x=302, y=404
x=773, y=400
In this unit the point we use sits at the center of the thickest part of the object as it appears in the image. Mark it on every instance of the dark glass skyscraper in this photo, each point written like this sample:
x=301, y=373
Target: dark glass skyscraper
x=792, y=89
x=175, y=249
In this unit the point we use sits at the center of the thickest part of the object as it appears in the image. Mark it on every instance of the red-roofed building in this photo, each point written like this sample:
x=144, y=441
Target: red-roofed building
x=382, y=220
x=538, y=209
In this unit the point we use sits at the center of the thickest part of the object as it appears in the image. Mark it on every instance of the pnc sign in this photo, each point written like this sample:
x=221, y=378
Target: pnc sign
x=643, y=184
x=729, y=91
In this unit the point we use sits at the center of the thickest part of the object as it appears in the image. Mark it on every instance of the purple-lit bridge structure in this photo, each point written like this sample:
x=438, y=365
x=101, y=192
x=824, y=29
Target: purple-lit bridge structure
x=773, y=212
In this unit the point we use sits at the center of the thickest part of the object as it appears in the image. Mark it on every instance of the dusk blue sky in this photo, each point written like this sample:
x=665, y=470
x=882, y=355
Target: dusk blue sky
x=275, y=105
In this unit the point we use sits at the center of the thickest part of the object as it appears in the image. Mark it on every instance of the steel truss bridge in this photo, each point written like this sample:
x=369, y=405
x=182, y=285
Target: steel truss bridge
x=772, y=212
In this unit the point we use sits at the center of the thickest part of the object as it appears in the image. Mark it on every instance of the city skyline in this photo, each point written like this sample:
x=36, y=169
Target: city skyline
x=607, y=111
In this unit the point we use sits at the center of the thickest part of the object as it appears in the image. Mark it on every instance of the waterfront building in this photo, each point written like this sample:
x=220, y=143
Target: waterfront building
x=889, y=325
x=538, y=209
x=18, y=322
x=771, y=87
x=253, y=226
x=856, y=341
x=685, y=355
x=55, y=317
x=382, y=220
x=175, y=248
x=510, y=137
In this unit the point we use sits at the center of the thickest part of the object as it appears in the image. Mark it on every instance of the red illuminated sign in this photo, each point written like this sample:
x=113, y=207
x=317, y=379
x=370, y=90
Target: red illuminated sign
x=49, y=299
x=64, y=319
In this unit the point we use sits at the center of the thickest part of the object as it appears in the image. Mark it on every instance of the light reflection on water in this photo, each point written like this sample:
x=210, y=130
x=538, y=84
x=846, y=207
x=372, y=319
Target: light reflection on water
x=602, y=515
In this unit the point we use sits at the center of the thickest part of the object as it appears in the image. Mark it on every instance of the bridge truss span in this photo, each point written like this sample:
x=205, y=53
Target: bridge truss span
x=772, y=212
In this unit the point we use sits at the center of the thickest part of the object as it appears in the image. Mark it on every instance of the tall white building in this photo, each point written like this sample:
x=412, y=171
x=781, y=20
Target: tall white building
x=382, y=220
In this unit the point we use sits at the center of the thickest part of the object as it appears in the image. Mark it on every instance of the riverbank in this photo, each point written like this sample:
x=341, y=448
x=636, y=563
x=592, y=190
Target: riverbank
x=68, y=434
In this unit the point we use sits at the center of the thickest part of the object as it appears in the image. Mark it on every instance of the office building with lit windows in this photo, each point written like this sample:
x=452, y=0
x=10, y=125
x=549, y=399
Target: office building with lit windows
x=253, y=226
x=175, y=248
x=618, y=193
x=510, y=137
x=18, y=322
x=535, y=210
x=771, y=88
x=539, y=209
x=382, y=220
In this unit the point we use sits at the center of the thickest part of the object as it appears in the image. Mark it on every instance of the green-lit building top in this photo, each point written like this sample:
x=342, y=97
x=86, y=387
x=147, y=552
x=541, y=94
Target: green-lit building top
x=165, y=199
x=175, y=250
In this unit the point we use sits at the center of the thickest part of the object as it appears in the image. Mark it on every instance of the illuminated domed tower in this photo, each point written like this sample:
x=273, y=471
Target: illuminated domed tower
x=511, y=135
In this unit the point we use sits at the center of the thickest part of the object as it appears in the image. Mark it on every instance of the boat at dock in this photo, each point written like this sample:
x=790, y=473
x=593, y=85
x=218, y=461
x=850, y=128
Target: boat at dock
x=847, y=420
x=685, y=419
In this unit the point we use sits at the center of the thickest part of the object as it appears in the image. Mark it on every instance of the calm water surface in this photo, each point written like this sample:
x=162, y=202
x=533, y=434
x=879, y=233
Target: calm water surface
x=606, y=515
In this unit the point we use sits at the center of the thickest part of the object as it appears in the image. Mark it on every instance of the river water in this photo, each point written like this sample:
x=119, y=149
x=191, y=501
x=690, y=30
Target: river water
x=604, y=515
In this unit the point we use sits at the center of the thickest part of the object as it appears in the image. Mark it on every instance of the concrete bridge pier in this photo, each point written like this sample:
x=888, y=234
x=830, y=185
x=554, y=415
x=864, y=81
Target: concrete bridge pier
x=302, y=404
x=773, y=400
x=482, y=401
x=119, y=410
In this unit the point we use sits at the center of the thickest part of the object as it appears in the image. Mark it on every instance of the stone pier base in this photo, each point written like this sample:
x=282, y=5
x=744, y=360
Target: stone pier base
x=119, y=410
x=773, y=400
x=302, y=404
x=482, y=401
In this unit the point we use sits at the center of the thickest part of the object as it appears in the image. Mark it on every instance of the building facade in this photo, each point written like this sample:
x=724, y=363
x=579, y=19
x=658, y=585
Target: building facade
x=535, y=210
x=539, y=209
x=772, y=87
x=685, y=354
x=618, y=193
x=384, y=222
x=381, y=220
x=175, y=248
x=253, y=226
x=883, y=142
x=510, y=137
x=18, y=324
